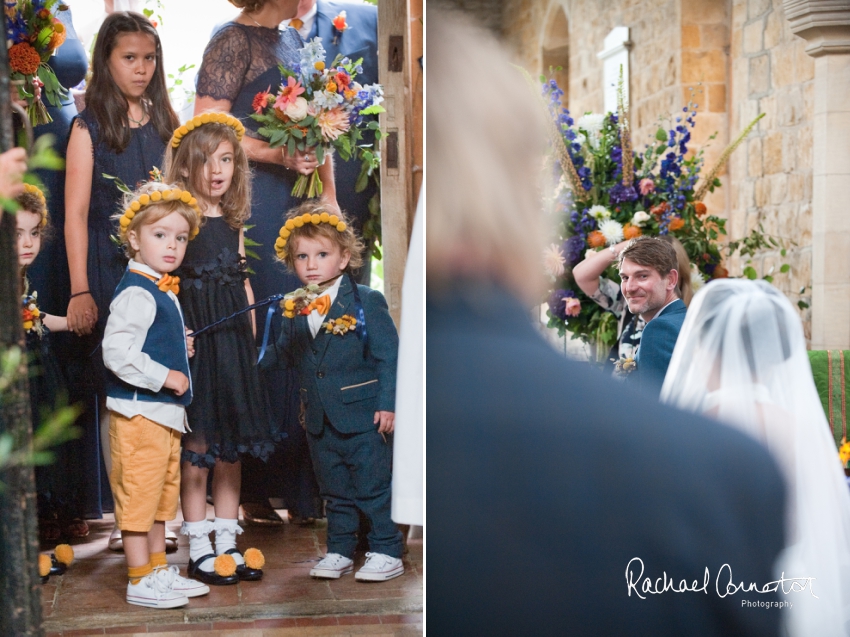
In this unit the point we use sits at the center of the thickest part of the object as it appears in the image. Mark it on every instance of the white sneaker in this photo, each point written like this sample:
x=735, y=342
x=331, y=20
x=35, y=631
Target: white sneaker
x=189, y=587
x=156, y=591
x=333, y=566
x=379, y=568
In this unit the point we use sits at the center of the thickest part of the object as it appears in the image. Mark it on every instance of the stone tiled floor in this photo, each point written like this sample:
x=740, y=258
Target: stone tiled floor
x=89, y=598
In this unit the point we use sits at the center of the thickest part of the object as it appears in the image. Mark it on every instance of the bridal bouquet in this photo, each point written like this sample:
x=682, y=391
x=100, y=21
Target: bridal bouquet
x=609, y=193
x=321, y=107
x=33, y=34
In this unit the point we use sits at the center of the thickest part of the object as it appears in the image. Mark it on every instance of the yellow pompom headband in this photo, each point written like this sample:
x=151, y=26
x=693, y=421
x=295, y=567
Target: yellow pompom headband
x=208, y=118
x=35, y=190
x=156, y=197
x=301, y=220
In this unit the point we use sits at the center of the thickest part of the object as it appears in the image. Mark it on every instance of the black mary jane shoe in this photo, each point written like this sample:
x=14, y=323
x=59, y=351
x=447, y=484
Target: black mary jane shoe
x=211, y=578
x=243, y=572
x=56, y=567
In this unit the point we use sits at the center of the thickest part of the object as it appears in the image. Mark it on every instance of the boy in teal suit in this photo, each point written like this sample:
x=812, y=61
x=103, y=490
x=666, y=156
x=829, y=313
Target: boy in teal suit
x=345, y=346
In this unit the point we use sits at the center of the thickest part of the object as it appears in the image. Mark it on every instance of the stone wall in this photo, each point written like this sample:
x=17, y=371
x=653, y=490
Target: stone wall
x=771, y=175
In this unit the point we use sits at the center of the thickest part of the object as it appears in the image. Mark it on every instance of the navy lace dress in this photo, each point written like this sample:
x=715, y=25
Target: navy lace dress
x=229, y=413
x=239, y=62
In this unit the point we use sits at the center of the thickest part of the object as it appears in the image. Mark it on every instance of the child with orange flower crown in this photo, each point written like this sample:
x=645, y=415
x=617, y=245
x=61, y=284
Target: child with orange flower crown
x=146, y=351
x=342, y=341
x=229, y=415
x=58, y=489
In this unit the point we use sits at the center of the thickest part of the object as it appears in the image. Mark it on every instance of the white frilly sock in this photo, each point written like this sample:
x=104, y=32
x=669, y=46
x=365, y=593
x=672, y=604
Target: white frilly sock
x=225, y=537
x=199, y=542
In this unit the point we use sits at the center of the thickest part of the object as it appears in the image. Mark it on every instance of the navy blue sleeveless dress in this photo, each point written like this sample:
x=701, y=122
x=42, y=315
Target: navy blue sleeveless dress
x=239, y=62
x=106, y=265
x=229, y=413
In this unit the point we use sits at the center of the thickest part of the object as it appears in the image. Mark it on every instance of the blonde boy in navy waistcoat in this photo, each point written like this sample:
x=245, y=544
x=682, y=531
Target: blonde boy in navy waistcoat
x=146, y=351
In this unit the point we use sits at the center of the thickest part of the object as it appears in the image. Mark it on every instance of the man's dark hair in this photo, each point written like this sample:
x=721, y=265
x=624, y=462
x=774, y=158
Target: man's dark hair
x=651, y=252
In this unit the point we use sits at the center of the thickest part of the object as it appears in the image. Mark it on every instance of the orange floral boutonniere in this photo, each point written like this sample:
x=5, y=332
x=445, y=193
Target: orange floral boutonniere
x=340, y=24
x=341, y=326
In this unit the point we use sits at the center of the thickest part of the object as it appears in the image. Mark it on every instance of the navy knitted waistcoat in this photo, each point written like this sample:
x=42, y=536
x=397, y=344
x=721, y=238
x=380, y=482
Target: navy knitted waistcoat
x=165, y=343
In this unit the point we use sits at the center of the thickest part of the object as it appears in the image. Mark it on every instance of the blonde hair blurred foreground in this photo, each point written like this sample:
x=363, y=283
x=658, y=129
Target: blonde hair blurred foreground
x=485, y=145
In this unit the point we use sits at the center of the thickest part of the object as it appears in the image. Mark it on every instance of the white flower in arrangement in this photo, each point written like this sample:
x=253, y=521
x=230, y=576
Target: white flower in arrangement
x=612, y=231
x=297, y=110
x=640, y=218
x=592, y=123
x=553, y=261
x=697, y=279
x=600, y=213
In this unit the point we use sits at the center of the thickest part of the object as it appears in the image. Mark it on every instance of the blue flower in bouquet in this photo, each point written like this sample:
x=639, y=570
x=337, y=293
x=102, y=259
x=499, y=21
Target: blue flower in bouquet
x=312, y=53
x=557, y=302
x=573, y=249
x=620, y=193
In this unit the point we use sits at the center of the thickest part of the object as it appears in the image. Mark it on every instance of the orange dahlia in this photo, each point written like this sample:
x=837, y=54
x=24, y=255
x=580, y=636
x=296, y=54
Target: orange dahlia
x=596, y=239
x=333, y=123
x=631, y=232
x=720, y=273
x=660, y=209
x=24, y=59
x=677, y=224
x=699, y=208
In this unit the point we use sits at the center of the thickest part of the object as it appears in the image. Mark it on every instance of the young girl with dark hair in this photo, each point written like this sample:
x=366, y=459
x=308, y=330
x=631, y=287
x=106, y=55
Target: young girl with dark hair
x=122, y=133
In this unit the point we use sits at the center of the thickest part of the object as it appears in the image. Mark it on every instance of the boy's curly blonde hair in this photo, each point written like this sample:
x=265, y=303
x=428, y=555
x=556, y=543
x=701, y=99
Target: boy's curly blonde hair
x=347, y=240
x=152, y=212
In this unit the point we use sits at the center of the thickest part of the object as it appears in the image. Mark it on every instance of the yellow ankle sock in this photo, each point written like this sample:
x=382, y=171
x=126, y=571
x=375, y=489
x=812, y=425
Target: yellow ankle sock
x=136, y=573
x=158, y=559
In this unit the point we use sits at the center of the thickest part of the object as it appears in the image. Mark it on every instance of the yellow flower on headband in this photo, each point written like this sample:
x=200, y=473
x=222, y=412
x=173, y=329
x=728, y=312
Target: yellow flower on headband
x=170, y=194
x=207, y=118
x=300, y=221
x=35, y=190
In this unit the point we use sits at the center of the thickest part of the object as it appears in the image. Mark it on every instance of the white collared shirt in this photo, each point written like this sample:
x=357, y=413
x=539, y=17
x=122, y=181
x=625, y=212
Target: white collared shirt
x=308, y=19
x=314, y=319
x=132, y=313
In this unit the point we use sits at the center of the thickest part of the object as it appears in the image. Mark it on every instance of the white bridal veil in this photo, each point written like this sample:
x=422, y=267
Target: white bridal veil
x=741, y=359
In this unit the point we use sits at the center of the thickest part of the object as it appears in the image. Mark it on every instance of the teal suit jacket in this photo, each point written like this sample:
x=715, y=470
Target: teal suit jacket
x=334, y=377
x=656, y=346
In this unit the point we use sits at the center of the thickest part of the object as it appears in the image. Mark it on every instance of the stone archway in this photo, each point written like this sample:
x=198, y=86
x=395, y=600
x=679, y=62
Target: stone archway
x=555, y=49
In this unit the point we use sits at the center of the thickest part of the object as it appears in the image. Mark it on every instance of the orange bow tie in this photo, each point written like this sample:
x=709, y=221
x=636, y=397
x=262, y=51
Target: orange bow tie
x=322, y=305
x=169, y=283
x=295, y=23
x=166, y=282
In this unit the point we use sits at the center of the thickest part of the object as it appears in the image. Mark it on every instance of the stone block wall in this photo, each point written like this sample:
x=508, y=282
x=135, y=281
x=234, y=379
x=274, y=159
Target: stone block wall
x=770, y=176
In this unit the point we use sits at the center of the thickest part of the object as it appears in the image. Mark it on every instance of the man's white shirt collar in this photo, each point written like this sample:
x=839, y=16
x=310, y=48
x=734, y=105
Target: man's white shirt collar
x=308, y=19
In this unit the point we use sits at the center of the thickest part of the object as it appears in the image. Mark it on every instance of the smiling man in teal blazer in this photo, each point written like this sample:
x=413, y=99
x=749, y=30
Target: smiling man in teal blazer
x=648, y=274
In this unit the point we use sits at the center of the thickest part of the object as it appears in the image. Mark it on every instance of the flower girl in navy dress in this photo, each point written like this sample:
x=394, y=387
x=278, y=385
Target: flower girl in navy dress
x=229, y=415
x=58, y=485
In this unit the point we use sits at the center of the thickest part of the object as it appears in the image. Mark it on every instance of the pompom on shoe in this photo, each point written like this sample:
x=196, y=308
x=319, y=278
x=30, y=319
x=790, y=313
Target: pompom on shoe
x=224, y=573
x=251, y=569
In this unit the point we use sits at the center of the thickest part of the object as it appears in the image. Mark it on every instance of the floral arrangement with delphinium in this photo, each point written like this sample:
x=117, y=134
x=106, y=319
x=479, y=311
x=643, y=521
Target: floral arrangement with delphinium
x=33, y=34
x=608, y=193
x=319, y=107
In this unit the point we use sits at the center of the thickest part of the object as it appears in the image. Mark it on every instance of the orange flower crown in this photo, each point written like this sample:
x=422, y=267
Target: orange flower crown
x=208, y=118
x=301, y=220
x=35, y=190
x=158, y=196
